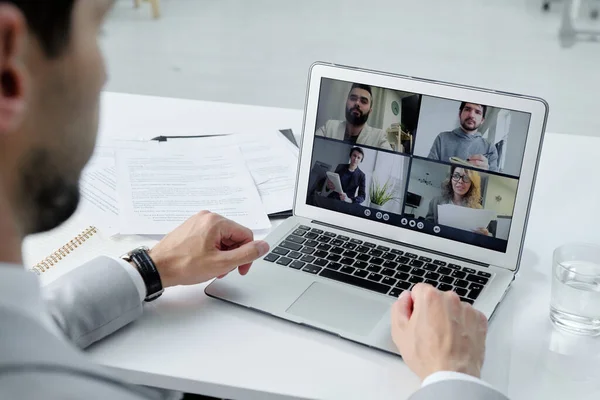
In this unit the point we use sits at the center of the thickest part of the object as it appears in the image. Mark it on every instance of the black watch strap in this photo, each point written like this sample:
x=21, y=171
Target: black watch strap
x=150, y=275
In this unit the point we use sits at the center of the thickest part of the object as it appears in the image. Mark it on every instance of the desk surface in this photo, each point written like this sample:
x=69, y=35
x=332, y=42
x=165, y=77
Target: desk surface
x=189, y=342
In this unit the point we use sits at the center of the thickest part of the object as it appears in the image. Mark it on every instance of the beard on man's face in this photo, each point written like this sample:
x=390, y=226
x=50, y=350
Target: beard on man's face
x=355, y=116
x=469, y=124
x=49, y=196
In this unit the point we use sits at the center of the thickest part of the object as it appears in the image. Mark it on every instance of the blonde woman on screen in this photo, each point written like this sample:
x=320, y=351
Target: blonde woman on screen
x=463, y=188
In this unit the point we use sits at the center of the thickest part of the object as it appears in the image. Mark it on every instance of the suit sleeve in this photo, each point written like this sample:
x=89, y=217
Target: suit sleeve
x=322, y=131
x=361, y=190
x=456, y=389
x=93, y=301
x=436, y=147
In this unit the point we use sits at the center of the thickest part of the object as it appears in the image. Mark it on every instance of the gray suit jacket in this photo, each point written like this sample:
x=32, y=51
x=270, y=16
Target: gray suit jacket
x=88, y=304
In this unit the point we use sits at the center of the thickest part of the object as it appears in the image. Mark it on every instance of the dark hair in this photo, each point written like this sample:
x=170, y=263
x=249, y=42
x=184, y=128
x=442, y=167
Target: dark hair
x=49, y=21
x=359, y=150
x=363, y=87
x=464, y=103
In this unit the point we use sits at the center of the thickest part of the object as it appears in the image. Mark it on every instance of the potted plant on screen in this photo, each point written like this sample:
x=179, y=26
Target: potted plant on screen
x=381, y=194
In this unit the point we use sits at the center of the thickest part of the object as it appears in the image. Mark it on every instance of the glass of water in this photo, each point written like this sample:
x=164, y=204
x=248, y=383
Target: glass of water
x=575, y=303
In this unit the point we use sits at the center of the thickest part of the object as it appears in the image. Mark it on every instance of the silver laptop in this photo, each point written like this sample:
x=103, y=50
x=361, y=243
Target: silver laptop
x=401, y=180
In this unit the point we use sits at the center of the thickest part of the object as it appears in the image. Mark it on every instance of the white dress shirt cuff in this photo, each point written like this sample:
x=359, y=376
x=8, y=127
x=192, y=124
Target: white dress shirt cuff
x=449, y=375
x=135, y=277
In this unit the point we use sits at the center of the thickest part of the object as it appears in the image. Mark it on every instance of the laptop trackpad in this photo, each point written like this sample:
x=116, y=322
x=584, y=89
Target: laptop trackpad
x=339, y=309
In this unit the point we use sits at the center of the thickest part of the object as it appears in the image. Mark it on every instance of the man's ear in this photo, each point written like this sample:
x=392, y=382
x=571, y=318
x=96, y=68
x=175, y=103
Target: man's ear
x=13, y=33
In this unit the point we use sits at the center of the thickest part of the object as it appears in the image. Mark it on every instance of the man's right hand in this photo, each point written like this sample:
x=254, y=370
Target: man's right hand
x=434, y=331
x=479, y=161
x=330, y=185
x=205, y=246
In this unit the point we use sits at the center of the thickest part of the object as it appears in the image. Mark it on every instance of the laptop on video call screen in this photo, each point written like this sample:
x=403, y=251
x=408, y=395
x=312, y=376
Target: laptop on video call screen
x=444, y=167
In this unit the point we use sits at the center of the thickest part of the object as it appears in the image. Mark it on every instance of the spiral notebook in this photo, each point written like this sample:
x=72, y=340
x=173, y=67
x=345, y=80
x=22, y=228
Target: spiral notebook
x=57, y=252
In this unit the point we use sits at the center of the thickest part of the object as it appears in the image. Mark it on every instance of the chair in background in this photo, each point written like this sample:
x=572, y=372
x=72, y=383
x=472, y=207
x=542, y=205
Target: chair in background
x=155, y=6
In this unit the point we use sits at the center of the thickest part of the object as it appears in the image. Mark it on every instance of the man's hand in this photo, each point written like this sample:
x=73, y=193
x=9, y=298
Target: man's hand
x=479, y=161
x=330, y=185
x=204, y=247
x=434, y=331
x=343, y=196
x=483, y=231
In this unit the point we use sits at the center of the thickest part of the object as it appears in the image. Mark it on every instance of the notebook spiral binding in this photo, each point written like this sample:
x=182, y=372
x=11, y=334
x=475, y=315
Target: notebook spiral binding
x=64, y=251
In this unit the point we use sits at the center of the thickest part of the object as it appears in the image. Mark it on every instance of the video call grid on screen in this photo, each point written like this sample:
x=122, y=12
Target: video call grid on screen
x=405, y=143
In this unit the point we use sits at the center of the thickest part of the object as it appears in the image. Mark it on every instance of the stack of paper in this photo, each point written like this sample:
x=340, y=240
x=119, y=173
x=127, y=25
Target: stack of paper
x=149, y=187
x=465, y=218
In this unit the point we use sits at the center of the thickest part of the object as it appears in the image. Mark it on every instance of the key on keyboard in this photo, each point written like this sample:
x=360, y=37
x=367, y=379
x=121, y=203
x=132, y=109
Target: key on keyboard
x=354, y=280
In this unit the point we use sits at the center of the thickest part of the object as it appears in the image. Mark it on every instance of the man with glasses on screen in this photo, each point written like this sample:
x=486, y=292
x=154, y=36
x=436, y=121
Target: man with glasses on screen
x=355, y=129
x=466, y=142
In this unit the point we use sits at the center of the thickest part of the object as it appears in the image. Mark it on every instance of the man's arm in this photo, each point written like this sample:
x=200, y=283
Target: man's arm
x=93, y=301
x=102, y=296
x=493, y=158
x=442, y=340
x=361, y=190
x=436, y=149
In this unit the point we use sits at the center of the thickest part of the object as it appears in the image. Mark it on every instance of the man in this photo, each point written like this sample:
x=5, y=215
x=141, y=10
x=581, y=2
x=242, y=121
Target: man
x=351, y=178
x=355, y=130
x=466, y=142
x=52, y=73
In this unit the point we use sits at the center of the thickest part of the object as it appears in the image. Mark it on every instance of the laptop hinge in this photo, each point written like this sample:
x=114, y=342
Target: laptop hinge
x=478, y=263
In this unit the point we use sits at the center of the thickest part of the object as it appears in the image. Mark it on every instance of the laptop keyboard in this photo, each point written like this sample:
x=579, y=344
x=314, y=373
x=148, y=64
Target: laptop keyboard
x=369, y=266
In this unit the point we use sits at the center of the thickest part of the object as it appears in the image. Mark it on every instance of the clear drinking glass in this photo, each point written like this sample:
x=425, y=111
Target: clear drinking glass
x=575, y=303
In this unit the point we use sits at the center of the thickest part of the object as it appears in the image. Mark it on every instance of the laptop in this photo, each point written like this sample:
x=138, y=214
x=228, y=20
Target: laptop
x=469, y=156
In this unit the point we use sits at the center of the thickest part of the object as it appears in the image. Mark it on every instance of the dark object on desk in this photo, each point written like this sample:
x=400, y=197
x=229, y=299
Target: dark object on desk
x=287, y=133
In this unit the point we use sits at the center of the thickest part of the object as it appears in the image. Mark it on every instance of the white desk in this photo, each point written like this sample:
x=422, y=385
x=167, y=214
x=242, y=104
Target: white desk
x=189, y=342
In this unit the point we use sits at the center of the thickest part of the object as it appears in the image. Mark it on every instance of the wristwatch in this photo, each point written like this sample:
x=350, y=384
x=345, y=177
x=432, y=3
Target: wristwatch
x=140, y=257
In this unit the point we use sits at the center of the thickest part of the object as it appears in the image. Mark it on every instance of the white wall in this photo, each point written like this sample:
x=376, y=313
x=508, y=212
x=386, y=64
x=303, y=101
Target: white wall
x=393, y=168
x=436, y=115
x=517, y=136
x=504, y=187
x=388, y=116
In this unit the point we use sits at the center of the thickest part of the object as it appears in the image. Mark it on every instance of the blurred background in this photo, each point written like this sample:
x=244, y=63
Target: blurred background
x=259, y=51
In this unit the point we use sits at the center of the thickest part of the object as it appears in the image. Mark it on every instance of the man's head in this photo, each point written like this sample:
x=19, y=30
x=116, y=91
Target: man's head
x=471, y=116
x=359, y=104
x=51, y=75
x=356, y=156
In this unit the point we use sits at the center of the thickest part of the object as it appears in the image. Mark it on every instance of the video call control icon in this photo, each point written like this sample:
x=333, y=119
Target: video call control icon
x=386, y=217
x=379, y=215
x=404, y=221
x=437, y=229
x=420, y=225
x=412, y=224
x=367, y=213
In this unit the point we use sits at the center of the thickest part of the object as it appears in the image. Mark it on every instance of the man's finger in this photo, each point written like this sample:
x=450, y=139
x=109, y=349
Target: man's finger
x=244, y=269
x=402, y=310
x=245, y=254
x=233, y=233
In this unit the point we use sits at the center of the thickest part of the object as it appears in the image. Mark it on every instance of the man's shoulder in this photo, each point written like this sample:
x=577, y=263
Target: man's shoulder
x=445, y=134
x=375, y=131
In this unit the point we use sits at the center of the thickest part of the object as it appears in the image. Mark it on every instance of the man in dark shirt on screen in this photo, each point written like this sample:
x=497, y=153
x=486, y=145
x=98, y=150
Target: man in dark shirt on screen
x=351, y=178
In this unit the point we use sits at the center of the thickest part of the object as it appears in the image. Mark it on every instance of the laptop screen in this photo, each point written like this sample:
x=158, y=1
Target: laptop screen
x=444, y=167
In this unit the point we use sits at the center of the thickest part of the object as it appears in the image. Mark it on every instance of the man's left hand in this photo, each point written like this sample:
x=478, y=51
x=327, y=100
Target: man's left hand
x=343, y=196
x=479, y=161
